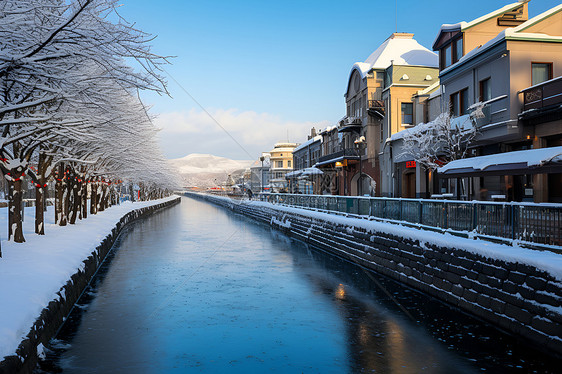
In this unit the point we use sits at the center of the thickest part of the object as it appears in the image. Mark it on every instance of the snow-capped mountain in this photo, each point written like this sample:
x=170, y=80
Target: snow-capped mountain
x=204, y=170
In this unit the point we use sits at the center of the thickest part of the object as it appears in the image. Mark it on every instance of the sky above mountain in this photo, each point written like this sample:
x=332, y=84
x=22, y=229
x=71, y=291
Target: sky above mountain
x=269, y=71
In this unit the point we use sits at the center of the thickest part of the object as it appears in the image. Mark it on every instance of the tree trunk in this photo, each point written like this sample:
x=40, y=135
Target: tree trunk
x=84, y=202
x=15, y=229
x=67, y=194
x=93, y=198
x=40, y=205
x=75, y=206
x=60, y=199
x=101, y=197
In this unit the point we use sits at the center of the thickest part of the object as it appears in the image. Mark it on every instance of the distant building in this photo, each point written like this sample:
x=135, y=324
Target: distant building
x=260, y=174
x=281, y=162
x=305, y=177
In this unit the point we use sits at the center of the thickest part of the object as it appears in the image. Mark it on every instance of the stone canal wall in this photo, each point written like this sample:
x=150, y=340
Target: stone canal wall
x=53, y=316
x=517, y=297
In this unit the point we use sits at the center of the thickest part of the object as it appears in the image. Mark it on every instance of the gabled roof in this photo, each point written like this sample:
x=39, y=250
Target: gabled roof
x=462, y=26
x=514, y=33
x=399, y=49
x=533, y=21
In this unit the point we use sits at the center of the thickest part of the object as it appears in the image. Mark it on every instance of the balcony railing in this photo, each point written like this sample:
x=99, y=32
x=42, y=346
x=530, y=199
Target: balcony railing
x=533, y=223
x=348, y=153
x=376, y=107
x=543, y=95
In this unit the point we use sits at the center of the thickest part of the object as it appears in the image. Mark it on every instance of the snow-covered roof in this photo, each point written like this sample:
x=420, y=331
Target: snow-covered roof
x=528, y=158
x=512, y=33
x=398, y=49
x=495, y=13
x=312, y=171
x=308, y=142
x=435, y=86
x=303, y=173
x=538, y=18
x=461, y=26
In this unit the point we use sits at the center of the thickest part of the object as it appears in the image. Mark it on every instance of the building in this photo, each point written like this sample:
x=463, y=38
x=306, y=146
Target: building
x=259, y=171
x=305, y=177
x=512, y=65
x=281, y=162
x=379, y=103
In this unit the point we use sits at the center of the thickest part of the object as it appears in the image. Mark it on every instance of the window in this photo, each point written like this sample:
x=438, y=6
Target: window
x=447, y=56
x=459, y=103
x=451, y=53
x=458, y=50
x=407, y=113
x=278, y=164
x=463, y=96
x=540, y=72
x=387, y=77
x=289, y=164
x=485, y=90
x=454, y=104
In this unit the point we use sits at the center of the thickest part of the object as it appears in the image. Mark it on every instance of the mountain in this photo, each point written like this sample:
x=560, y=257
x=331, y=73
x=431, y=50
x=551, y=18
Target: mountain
x=204, y=170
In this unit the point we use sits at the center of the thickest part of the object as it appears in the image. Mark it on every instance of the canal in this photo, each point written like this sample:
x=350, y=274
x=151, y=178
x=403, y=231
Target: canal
x=197, y=289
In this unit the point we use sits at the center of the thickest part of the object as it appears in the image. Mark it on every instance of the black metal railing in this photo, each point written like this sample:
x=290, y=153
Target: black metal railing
x=542, y=95
x=534, y=223
x=345, y=153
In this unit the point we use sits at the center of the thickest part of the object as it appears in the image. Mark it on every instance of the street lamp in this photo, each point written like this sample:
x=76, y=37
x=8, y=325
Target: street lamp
x=359, y=144
x=261, y=172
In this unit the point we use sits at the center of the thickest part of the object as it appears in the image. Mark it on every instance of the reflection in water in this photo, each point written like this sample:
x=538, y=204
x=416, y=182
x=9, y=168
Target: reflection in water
x=197, y=289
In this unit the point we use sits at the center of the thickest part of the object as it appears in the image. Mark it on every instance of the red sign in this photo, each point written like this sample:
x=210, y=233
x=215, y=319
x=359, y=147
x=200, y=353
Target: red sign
x=410, y=164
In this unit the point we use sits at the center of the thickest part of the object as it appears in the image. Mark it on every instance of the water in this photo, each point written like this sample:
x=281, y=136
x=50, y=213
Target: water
x=197, y=289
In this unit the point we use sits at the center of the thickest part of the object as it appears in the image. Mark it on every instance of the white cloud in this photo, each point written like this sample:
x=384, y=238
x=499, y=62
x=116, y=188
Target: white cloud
x=194, y=131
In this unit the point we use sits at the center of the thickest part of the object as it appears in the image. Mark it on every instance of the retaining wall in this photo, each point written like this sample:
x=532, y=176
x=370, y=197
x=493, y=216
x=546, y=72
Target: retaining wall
x=53, y=316
x=515, y=297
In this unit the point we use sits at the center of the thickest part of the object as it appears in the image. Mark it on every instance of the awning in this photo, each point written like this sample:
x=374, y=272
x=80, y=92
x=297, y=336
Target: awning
x=352, y=127
x=293, y=174
x=530, y=161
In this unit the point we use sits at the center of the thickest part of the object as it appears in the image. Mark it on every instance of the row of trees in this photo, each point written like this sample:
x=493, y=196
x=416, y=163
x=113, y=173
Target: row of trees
x=70, y=109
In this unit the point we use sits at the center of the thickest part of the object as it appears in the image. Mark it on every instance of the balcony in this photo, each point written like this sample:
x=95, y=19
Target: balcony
x=376, y=108
x=350, y=124
x=344, y=154
x=542, y=100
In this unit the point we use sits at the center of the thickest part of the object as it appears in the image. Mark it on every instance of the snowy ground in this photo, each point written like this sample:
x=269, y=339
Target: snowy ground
x=33, y=272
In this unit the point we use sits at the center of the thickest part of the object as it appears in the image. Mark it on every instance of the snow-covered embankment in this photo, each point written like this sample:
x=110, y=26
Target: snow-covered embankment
x=43, y=278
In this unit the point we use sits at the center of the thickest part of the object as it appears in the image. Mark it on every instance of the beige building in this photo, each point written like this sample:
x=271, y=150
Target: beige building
x=281, y=162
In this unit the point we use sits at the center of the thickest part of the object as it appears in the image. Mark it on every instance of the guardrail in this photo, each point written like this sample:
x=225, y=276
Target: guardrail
x=534, y=223
x=543, y=94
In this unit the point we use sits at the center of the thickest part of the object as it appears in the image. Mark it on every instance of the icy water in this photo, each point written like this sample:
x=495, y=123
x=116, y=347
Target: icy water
x=197, y=289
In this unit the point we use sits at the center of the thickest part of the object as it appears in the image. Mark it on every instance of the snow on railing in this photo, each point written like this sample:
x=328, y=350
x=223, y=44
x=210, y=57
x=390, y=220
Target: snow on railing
x=527, y=222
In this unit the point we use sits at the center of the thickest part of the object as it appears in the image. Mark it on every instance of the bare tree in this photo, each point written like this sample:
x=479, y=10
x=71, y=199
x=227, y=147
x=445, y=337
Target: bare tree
x=442, y=140
x=57, y=58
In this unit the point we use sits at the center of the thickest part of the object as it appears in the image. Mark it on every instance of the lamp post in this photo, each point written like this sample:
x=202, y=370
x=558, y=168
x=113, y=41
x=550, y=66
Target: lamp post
x=359, y=144
x=261, y=173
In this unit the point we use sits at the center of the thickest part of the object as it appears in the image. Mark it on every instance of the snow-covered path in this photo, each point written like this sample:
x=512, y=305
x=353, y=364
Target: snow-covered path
x=33, y=272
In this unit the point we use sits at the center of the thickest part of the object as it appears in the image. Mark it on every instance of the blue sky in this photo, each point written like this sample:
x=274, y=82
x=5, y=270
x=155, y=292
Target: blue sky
x=269, y=71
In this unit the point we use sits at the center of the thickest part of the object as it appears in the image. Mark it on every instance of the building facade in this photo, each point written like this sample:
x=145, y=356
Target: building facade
x=281, y=162
x=513, y=73
x=378, y=101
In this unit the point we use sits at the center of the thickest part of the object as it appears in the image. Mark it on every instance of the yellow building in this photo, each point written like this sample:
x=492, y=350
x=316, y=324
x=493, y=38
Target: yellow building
x=281, y=162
